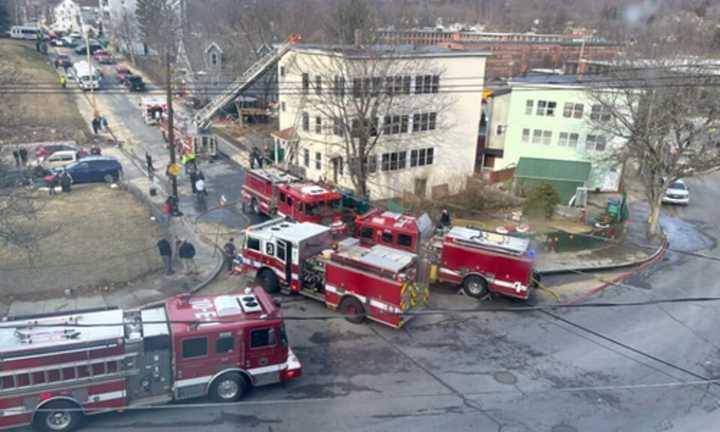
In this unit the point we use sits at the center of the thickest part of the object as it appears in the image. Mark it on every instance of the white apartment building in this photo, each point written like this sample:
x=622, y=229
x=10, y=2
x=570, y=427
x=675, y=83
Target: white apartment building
x=427, y=131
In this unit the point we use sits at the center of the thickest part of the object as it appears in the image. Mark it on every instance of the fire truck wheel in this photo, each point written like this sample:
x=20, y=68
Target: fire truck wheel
x=255, y=206
x=353, y=310
x=475, y=286
x=60, y=416
x=228, y=388
x=269, y=281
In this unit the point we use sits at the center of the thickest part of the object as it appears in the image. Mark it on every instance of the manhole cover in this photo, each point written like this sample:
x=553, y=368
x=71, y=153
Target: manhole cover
x=563, y=428
x=504, y=377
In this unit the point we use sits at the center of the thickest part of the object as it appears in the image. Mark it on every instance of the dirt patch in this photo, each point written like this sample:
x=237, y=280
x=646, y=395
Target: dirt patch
x=96, y=237
x=36, y=109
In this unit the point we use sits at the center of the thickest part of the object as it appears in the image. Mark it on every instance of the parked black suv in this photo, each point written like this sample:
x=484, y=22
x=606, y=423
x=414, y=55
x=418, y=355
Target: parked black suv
x=135, y=83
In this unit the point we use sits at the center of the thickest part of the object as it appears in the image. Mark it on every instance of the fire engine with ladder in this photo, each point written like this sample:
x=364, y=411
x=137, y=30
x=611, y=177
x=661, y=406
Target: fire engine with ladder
x=272, y=192
x=376, y=282
x=481, y=262
x=58, y=368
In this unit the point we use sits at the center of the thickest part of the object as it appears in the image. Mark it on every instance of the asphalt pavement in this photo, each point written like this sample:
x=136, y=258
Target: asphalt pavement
x=604, y=369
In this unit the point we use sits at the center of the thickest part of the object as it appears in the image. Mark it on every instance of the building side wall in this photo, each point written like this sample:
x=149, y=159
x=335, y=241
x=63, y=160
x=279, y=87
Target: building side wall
x=515, y=147
x=457, y=105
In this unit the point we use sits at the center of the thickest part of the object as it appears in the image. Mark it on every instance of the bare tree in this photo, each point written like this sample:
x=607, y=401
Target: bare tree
x=665, y=111
x=159, y=24
x=128, y=33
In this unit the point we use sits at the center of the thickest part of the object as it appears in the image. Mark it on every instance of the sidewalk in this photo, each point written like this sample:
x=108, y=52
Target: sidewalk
x=154, y=288
x=634, y=249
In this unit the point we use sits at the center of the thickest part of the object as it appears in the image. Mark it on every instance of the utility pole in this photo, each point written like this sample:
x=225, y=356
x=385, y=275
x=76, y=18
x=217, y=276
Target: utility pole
x=171, y=130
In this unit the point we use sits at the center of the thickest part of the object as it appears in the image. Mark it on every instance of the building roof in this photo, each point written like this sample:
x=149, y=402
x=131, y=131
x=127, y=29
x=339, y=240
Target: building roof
x=389, y=51
x=568, y=80
x=553, y=169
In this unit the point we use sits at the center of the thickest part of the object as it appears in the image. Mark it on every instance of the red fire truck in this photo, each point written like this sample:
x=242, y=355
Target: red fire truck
x=376, y=282
x=479, y=261
x=483, y=261
x=187, y=139
x=56, y=369
x=271, y=192
x=397, y=230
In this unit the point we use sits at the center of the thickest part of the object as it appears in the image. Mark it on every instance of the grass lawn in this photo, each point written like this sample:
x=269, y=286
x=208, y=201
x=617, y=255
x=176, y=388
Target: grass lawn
x=36, y=109
x=97, y=236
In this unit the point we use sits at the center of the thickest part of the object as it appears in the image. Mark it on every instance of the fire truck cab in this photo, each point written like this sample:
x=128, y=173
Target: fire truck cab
x=271, y=192
x=484, y=262
x=376, y=282
x=396, y=230
x=56, y=369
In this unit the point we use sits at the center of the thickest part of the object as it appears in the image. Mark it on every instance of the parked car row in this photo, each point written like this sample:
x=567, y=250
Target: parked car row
x=81, y=166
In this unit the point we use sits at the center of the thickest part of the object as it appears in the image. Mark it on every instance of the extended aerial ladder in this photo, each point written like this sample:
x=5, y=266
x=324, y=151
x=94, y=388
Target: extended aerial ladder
x=203, y=118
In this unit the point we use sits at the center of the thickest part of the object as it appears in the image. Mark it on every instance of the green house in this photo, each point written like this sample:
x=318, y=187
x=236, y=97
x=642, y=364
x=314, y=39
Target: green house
x=551, y=118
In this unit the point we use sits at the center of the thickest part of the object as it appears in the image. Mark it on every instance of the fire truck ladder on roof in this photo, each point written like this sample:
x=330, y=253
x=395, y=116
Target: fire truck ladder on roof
x=203, y=118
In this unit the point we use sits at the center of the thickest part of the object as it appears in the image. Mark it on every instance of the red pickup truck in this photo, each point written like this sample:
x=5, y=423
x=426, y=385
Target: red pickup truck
x=122, y=72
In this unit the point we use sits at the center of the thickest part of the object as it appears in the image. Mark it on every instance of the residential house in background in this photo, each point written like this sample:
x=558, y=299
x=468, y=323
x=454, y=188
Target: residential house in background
x=67, y=16
x=427, y=148
x=549, y=122
x=207, y=64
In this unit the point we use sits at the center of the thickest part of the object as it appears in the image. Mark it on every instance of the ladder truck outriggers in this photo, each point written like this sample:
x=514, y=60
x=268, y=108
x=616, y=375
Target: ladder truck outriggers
x=56, y=369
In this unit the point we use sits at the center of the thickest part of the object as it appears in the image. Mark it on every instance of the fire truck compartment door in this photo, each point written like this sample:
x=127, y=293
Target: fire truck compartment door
x=263, y=354
x=287, y=246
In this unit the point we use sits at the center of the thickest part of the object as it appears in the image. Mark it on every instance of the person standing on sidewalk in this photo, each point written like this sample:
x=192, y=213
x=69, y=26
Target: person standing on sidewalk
x=176, y=255
x=63, y=81
x=201, y=193
x=149, y=164
x=166, y=255
x=23, y=156
x=16, y=155
x=187, y=254
x=229, y=251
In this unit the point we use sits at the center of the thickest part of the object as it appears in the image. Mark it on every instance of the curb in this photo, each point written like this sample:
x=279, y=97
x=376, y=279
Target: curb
x=627, y=264
x=659, y=254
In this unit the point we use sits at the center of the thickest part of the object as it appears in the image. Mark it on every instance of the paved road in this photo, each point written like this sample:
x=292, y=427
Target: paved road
x=620, y=369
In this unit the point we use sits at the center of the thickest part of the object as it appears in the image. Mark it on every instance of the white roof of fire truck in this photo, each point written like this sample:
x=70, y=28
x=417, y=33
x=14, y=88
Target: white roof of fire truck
x=287, y=230
x=489, y=240
x=274, y=175
x=58, y=330
x=223, y=310
x=378, y=256
x=154, y=101
x=389, y=219
x=311, y=189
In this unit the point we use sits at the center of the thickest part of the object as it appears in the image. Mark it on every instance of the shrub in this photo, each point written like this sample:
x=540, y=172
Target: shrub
x=541, y=201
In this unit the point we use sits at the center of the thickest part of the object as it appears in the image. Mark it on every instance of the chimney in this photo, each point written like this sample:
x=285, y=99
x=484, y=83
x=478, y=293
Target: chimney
x=358, y=38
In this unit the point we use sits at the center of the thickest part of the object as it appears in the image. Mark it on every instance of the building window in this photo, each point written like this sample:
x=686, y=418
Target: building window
x=537, y=136
x=404, y=120
x=573, y=110
x=339, y=86
x=394, y=161
x=318, y=85
x=305, y=83
x=600, y=112
x=421, y=157
x=499, y=130
x=529, y=107
x=337, y=127
x=563, y=139
x=282, y=71
x=526, y=135
x=547, y=137
x=427, y=84
x=318, y=161
x=574, y=138
x=595, y=143
x=306, y=158
x=407, y=83
x=372, y=164
x=318, y=124
x=357, y=87
x=545, y=108
x=305, y=121
x=213, y=59
x=282, y=106
x=416, y=122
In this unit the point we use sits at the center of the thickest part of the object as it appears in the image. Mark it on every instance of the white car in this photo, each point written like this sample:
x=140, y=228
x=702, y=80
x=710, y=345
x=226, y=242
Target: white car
x=677, y=193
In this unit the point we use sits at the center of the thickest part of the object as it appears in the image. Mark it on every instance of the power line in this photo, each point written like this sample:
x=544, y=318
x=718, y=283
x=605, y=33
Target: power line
x=419, y=312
